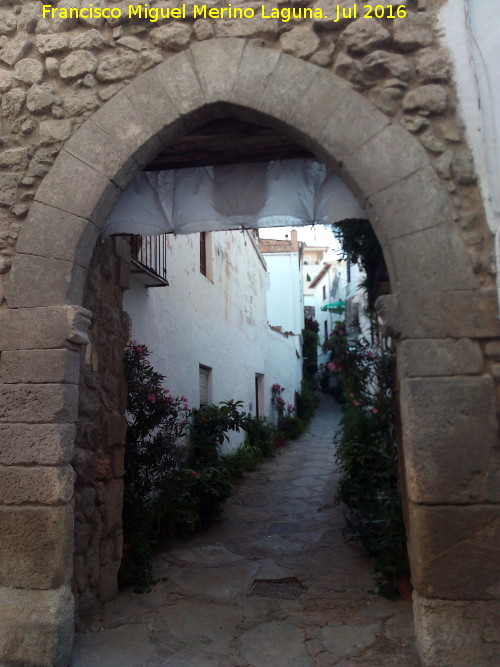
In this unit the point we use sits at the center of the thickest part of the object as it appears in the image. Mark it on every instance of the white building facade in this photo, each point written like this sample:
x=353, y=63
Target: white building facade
x=207, y=331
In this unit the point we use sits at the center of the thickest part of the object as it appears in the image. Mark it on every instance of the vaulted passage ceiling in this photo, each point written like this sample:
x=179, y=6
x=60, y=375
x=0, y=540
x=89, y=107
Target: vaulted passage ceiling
x=227, y=141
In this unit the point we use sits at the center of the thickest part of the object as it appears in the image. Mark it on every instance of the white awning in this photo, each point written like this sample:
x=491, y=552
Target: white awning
x=265, y=194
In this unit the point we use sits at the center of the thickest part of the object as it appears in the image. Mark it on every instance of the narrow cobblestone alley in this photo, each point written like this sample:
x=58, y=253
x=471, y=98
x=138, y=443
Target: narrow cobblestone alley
x=200, y=612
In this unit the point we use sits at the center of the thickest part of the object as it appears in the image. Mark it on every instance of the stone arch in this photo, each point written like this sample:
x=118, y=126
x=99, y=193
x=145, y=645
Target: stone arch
x=438, y=309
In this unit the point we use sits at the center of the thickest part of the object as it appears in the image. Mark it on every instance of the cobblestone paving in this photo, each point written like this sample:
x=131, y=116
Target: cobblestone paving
x=200, y=614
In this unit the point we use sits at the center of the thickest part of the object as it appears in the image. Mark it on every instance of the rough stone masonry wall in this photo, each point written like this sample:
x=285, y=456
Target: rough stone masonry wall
x=100, y=435
x=53, y=75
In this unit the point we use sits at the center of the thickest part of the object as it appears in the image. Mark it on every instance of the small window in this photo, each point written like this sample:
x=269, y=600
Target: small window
x=325, y=325
x=324, y=292
x=348, y=268
x=203, y=253
x=206, y=254
x=205, y=385
x=259, y=393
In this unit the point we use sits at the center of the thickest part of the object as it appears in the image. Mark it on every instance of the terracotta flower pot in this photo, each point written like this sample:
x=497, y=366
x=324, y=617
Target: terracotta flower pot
x=405, y=587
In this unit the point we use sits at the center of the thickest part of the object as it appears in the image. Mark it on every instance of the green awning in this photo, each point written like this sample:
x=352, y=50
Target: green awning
x=336, y=307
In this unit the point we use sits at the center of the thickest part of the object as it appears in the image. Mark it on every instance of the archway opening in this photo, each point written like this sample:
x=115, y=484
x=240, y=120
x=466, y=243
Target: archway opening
x=222, y=142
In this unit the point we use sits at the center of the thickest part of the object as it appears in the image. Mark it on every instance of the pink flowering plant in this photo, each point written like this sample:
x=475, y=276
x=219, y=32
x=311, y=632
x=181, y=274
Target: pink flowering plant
x=155, y=469
x=366, y=453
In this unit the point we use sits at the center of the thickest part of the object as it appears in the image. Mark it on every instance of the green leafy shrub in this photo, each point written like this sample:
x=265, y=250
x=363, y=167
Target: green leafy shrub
x=292, y=427
x=306, y=401
x=366, y=455
x=242, y=460
x=154, y=455
x=209, y=427
x=213, y=487
x=261, y=434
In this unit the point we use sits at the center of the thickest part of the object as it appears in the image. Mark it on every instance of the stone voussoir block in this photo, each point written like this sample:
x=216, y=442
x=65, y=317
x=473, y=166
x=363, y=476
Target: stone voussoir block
x=43, y=328
x=36, y=444
x=104, y=153
x=36, y=626
x=450, y=435
x=457, y=634
x=38, y=403
x=68, y=174
x=149, y=99
x=216, y=62
x=178, y=77
x=41, y=485
x=36, y=546
x=448, y=314
x=439, y=357
x=454, y=551
x=40, y=366
x=289, y=82
x=363, y=166
x=341, y=120
x=37, y=281
x=395, y=201
x=418, y=265
x=42, y=236
x=129, y=133
x=254, y=72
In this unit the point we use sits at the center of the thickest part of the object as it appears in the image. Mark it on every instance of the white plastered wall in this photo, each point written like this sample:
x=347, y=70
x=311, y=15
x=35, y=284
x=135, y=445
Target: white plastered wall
x=220, y=323
x=471, y=31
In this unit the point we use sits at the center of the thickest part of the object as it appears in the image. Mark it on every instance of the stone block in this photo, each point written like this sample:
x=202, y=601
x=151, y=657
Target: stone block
x=150, y=99
x=254, y=71
x=118, y=461
x=36, y=549
x=300, y=42
x=43, y=236
x=118, y=65
x=288, y=83
x=174, y=36
x=108, y=581
x=38, y=403
x=180, y=81
x=454, y=551
x=114, y=429
x=449, y=435
x=457, y=634
x=43, y=328
x=113, y=505
x=446, y=356
x=419, y=265
x=43, y=485
x=127, y=131
x=42, y=444
x=38, y=281
x=461, y=314
x=398, y=209
x=429, y=99
x=492, y=350
x=40, y=366
x=340, y=120
x=363, y=36
x=36, y=627
x=216, y=62
x=413, y=32
x=99, y=150
x=368, y=167
x=94, y=201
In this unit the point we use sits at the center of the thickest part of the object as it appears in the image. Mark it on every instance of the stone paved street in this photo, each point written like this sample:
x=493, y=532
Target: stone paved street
x=200, y=613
